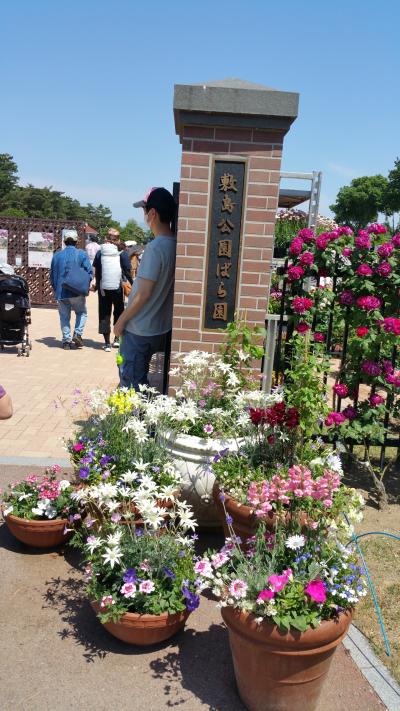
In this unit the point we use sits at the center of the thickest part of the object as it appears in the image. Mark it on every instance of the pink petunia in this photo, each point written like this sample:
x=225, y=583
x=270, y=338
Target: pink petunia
x=316, y=590
x=238, y=589
x=265, y=594
x=146, y=587
x=128, y=590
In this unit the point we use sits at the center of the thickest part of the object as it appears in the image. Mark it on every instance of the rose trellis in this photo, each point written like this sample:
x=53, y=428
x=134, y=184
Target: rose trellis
x=350, y=284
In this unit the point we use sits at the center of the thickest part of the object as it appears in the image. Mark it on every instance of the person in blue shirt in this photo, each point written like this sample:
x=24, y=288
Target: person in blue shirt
x=67, y=300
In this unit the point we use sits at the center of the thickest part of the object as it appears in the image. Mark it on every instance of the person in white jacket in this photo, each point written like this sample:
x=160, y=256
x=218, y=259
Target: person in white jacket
x=110, y=268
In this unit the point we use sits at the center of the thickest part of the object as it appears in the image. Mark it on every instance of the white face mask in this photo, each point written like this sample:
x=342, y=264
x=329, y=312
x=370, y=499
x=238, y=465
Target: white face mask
x=147, y=220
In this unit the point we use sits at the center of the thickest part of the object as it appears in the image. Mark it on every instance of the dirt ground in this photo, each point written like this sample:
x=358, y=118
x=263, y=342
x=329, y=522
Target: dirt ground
x=382, y=558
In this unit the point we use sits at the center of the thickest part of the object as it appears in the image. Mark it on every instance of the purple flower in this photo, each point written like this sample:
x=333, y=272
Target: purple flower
x=130, y=576
x=385, y=250
x=115, y=517
x=350, y=412
x=346, y=298
x=89, y=522
x=84, y=472
x=384, y=269
x=192, y=600
x=371, y=368
x=229, y=520
x=341, y=389
x=77, y=517
x=221, y=496
x=202, y=403
x=363, y=241
x=105, y=459
x=169, y=573
x=376, y=400
x=139, y=532
x=208, y=429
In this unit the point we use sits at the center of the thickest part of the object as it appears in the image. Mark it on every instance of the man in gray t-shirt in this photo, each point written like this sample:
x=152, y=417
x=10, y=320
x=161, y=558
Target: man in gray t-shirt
x=147, y=319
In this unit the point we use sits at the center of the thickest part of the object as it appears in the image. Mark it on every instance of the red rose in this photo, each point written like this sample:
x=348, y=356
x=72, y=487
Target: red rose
x=362, y=331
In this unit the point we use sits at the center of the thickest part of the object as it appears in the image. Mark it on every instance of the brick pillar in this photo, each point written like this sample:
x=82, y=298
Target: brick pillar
x=222, y=121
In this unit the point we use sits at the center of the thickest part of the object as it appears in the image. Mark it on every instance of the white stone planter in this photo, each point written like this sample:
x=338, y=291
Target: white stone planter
x=192, y=457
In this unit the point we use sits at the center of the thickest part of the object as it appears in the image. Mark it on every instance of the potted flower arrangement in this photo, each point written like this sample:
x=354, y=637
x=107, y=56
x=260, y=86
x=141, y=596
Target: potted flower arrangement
x=282, y=435
x=37, y=509
x=209, y=413
x=140, y=580
x=287, y=599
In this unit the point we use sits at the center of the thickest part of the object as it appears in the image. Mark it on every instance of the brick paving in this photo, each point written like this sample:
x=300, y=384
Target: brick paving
x=37, y=427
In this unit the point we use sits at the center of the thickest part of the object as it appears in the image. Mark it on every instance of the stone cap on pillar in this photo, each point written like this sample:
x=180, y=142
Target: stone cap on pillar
x=236, y=103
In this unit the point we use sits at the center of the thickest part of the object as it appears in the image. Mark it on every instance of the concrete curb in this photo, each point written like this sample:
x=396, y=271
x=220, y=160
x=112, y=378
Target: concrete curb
x=372, y=668
x=34, y=461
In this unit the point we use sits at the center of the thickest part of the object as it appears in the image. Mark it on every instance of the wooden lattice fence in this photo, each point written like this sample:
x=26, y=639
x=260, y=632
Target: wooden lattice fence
x=38, y=278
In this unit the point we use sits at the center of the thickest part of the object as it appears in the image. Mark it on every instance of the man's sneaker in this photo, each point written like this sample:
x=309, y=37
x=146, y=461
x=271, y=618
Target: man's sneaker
x=77, y=340
x=107, y=347
x=67, y=345
x=116, y=343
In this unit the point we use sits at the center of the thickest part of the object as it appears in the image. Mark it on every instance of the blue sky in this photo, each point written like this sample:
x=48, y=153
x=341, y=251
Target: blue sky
x=87, y=87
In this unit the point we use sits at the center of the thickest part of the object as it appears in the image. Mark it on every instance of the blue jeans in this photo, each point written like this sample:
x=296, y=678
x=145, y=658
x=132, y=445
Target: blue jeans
x=65, y=306
x=137, y=352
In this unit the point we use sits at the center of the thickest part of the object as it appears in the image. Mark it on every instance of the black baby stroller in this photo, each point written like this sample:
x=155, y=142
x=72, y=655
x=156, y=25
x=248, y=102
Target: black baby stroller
x=15, y=313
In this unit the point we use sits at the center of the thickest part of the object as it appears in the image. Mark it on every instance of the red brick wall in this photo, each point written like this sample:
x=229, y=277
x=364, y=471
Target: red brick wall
x=263, y=149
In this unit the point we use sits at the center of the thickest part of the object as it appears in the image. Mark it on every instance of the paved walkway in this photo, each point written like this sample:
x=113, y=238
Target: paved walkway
x=57, y=657
x=36, y=383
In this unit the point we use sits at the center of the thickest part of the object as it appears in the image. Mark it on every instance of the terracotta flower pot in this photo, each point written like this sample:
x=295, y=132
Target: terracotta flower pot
x=39, y=534
x=144, y=630
x=244, y=520
x=278, y=671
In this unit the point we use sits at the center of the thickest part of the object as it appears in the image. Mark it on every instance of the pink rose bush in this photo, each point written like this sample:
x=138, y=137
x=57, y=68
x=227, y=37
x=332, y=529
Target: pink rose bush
x=364, y=269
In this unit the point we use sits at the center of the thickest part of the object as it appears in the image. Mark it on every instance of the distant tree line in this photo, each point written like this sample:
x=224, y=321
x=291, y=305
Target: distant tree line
x=27, y=201
x=359, y=203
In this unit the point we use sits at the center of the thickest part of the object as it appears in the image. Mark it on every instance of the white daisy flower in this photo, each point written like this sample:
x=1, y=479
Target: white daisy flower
x=295, y=542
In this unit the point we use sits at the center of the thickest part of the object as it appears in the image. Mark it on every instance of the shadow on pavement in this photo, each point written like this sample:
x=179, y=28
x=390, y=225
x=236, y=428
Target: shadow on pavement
x=10, y=543
x=52, y=342
x=68, y=597
x=202, y=665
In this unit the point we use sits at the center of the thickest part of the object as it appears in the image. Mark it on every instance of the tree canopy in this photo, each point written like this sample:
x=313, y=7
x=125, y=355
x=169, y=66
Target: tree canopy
x=28, y=201
x=133, y=231
x=360, y=202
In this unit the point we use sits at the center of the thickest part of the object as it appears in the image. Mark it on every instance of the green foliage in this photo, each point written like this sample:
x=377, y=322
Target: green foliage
x=133, y=231
x=242, y=345
x=8, y=177
x=304, y=384
x=392, y=194
x=360, y=202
